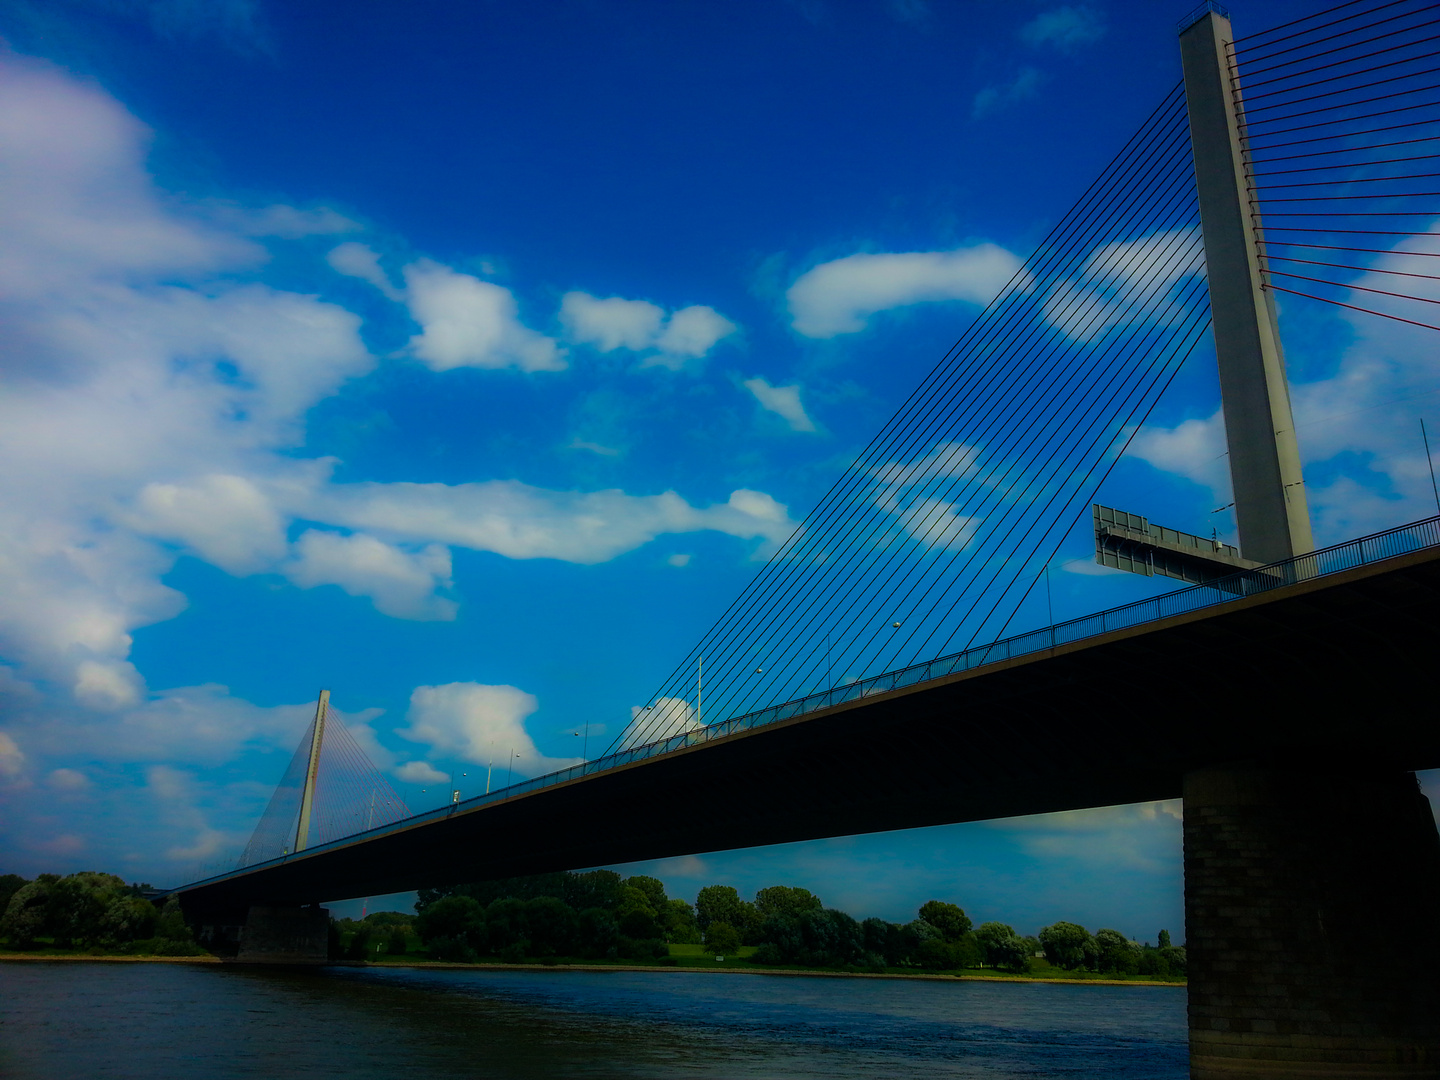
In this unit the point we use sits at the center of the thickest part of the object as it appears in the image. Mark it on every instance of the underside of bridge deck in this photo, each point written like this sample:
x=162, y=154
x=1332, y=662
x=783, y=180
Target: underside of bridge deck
x=1338, y=669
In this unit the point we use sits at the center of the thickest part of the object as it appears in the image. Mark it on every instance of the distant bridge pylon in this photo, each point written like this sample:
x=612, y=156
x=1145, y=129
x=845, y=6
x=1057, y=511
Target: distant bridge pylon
x=330, y=790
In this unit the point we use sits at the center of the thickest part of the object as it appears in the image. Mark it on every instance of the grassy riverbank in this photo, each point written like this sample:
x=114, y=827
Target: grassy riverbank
x=681, y=958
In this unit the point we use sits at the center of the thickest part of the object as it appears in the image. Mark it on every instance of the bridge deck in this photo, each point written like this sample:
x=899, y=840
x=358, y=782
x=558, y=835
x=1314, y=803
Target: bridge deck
x=1336, y=666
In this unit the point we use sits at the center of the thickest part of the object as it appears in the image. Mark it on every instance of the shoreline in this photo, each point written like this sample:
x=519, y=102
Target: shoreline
x=435, y=965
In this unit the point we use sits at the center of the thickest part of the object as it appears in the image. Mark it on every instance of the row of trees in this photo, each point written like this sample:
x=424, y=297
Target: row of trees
x=90, y=910
x=600, y=915
x=595, y=915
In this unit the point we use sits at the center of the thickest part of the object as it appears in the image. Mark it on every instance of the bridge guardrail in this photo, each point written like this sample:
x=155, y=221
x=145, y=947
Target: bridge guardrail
x=1366, y=550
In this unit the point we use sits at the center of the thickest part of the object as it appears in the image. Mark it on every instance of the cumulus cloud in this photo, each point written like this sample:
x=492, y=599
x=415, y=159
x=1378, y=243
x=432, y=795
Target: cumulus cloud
x=783, y=401
x=639, y=326
x=1125, y=283
x=466, y=322
x=68, y=780
x=1064, y=28
x=355, y=259
x=479, y=724
x=226, y=520
x=12, y=761
x=400, y=583
x=1024, y=85
x=420, y=772
x=524, y=522
x=667, y=716
x=838, y=297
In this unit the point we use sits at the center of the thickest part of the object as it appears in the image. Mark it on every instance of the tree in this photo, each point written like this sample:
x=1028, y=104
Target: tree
x=1116, y=953
x=397, y=944
x=679, y=923
x=718, y=903
x=552, y=924
x=78, y=904
x=599, y=935
x=652, y=888
x=1068, y=945
x=785, y=900
x=1163, y=941
x=721, y=938
x=453, y=927
x=637, y=918
x=1003, y=948
x=27, y=916
x=10, y=884
x=950, y=920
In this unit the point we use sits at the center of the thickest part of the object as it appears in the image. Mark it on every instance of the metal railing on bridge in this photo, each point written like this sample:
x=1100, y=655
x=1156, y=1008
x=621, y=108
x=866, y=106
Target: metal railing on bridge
x=1365, y=551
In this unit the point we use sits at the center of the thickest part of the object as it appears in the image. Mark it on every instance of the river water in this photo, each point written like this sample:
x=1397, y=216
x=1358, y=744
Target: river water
x=164, y=1021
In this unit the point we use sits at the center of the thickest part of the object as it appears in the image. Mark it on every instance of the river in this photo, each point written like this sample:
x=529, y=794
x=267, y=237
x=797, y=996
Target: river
x=164, y=1021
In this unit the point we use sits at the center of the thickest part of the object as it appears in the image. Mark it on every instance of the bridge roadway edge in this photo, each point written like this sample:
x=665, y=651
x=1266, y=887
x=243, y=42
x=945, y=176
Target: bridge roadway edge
x=1120, y=717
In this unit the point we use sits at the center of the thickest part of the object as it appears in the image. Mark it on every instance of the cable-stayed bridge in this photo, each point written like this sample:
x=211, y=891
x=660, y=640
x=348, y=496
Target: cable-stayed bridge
x=865, y=681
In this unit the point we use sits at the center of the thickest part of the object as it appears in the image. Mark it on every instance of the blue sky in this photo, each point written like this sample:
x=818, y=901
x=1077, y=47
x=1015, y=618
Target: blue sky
x=469, y=359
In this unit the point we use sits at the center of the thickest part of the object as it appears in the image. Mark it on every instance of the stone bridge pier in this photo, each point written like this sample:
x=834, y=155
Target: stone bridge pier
x=1312, y=923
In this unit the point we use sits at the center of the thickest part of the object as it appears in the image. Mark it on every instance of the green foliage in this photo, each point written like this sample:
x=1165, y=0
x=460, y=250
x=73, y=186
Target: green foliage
x=785, y=900
x=653, y=889
x=1163, y=941
x=1003, y=948
x=552, y=925
x=599, y=934
x=27, y=916
x=86, y=910
x=949, y=919
x=635, y=914
x=1068, y=945
x=453, y=923
x=680, y=925
x=397, y=944
x=10, y=884
x=719, y=903
x=1116, y=954
x=722, y=939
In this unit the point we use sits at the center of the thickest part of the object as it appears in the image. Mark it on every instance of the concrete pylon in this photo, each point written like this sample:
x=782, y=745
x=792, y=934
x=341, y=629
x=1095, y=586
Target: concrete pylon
x=1270, y=506
x=312, y=772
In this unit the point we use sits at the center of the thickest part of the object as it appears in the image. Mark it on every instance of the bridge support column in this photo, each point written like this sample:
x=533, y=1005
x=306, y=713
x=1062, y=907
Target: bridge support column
x=1312, y=924
x=285, y=935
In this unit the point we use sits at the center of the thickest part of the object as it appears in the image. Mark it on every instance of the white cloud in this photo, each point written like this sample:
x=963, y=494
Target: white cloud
x=679, y=559
x=287, y=222
x=839, y=297
x=401, y=583
x=420, y=772
x=1194, y=449
x=938, y=523
x=12, y=761
x=1064, y=28
x=666, y=717
x=1025, y=85
x=466, y=322
x=68, y=780
x=637, y=325
x=107, y=685
x=226, y=520
x=783, y=401
x=1127, y=283
x=524, y=522
x=480, y=724
x=355, y=259
x=690, y=334
x=610, y=324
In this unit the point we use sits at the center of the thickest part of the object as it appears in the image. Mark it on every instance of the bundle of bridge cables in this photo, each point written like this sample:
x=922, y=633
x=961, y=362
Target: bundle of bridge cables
x=942, y=526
